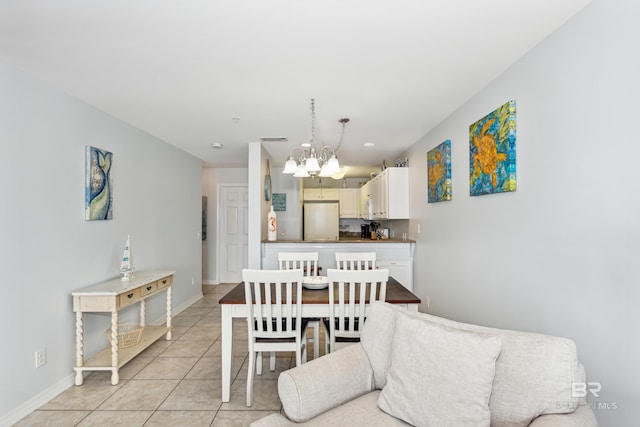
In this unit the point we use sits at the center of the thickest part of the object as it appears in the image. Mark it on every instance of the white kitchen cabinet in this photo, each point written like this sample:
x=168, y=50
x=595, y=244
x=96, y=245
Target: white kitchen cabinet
x=349, y=199
x=390, y=193
x=366, y=209
x=323, y=194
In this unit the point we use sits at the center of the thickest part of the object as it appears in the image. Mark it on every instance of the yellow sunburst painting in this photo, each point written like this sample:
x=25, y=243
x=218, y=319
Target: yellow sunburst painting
x=492, y=152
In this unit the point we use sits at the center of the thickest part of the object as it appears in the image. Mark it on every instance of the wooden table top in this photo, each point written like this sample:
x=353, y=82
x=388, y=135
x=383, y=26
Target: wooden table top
x=396, y=294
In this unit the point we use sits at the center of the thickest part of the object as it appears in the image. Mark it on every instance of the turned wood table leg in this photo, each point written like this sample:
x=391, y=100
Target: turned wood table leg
x=115, y=378
x=143, y=313
x=169, y=312
x=79, y=348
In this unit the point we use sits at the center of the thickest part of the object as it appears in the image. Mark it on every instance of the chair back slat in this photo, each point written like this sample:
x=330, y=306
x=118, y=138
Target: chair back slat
x=355, y=290
x=273, y=301
x=355, y=260
x=306, y=261
x=273, y=312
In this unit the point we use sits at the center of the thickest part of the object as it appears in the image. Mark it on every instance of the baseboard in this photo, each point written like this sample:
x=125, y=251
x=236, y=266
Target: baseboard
x=210, y=282
x=37, y=401
x=46, y=395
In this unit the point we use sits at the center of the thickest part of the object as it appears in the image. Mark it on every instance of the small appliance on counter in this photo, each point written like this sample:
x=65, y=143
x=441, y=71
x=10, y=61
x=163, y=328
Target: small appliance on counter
x=365, y=231
x=374, y=228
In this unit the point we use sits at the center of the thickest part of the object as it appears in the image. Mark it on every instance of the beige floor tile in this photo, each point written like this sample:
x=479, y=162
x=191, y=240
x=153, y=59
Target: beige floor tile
x=185, y=321
x=240, y=348
x=209, y=300
x=195, y=311
x=127, y=372
x=178, y=331
x=181, y=418
x=116, y=418
x=52, y=419
x=201, y=333
x=194, y=395
x=238, y=418
x=167, y=368
x=187, y=349
x=210, y=320
x=265, y=396
x=140, y=395
x=210, y=368
x=156, y=348
x=88, y=396
x=282, y=364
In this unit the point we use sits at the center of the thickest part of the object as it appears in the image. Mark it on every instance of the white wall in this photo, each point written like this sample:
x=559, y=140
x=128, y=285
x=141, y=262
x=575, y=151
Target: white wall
x=289, y=221
x=212, y=178
x=47, y=249
x=560, y=255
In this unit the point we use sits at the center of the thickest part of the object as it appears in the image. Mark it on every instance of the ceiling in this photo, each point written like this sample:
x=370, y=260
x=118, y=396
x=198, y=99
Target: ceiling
x=197, y=72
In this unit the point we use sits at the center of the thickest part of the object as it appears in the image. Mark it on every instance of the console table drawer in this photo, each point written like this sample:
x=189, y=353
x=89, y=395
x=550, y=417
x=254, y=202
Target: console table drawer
x=149, y=288
x=163, y=283
x=129, y=297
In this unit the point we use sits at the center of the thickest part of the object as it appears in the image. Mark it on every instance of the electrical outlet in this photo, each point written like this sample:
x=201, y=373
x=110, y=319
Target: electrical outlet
x=41, y=357
x=418, y=228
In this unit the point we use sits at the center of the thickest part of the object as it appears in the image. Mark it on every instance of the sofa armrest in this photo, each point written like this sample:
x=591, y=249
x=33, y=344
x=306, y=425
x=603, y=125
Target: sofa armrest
x=325, y=383
x=583, y=416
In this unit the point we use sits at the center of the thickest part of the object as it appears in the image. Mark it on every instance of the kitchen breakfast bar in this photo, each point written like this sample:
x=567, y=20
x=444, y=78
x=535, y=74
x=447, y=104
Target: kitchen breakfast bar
x=394, y=255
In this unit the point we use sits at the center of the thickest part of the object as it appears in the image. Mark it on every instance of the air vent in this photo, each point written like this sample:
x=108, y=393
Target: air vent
x=274, y=139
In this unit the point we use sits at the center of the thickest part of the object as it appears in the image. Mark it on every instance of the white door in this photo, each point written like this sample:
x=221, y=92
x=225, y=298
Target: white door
x=232, y=240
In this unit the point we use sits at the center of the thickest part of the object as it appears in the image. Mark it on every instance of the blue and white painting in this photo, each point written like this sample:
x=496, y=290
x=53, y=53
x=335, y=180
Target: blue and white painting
x=99, y=186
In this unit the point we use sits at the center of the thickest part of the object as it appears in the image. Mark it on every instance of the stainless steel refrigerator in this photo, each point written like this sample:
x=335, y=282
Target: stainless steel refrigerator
x=321, y=221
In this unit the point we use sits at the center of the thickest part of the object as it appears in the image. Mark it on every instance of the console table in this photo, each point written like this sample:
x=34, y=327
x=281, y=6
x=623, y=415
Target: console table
x=109, y=297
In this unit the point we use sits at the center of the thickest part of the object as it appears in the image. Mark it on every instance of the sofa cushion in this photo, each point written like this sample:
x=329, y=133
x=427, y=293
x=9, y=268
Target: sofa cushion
x=313, y=388
x=534, y=372
x=449, y=384
x=362, y=411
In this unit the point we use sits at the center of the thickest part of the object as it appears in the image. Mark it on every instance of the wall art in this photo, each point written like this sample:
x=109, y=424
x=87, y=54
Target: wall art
x=279, y=202
x=439, y=173
x=205, y=201
x=492, y=152
x=98, y=184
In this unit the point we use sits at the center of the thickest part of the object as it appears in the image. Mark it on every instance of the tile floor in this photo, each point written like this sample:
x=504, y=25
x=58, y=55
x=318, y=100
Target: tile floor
x=173, y=383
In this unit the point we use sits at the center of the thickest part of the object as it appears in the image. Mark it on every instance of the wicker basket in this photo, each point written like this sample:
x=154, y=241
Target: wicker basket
x=128, y=334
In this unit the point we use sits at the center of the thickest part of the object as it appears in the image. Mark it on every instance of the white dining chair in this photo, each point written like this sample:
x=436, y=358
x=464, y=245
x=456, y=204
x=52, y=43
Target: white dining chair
x=356, y=289
x=308, y=262
x=355, y=260
x=273, y=317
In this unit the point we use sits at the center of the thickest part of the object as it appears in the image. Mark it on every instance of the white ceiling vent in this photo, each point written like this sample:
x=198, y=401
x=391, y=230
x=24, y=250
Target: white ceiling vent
x=274, y=139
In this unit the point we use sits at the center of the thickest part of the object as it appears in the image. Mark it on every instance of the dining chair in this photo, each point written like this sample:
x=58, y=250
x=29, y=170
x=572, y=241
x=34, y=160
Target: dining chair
x=355, y=260
x=356, y=289
x=308, y=262
x=273, y=317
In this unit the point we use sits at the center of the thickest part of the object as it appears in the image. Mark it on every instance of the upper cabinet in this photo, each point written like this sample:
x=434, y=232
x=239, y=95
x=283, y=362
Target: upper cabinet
x=349, y=199
x=389, y=192
x=322, y=194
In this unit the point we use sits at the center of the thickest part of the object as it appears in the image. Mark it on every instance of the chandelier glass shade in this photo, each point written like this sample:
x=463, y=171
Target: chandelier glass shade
x=312, y=161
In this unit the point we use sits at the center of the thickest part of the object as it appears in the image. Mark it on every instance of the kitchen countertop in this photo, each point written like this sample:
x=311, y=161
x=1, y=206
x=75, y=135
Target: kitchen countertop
x=345, y=240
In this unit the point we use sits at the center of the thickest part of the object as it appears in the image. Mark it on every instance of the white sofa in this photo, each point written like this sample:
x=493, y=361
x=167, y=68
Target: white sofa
x=418, y=369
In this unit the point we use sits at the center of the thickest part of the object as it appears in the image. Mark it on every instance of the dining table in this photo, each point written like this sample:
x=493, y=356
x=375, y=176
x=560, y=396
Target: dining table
x=315, y=304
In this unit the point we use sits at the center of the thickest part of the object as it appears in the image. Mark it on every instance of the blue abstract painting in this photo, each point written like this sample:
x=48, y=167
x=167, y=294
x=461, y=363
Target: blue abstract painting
x=98, y=184
x=492, y=152
x=439, y=173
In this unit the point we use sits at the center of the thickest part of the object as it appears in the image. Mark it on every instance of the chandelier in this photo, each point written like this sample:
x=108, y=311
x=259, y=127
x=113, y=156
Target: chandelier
x=314, y=161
